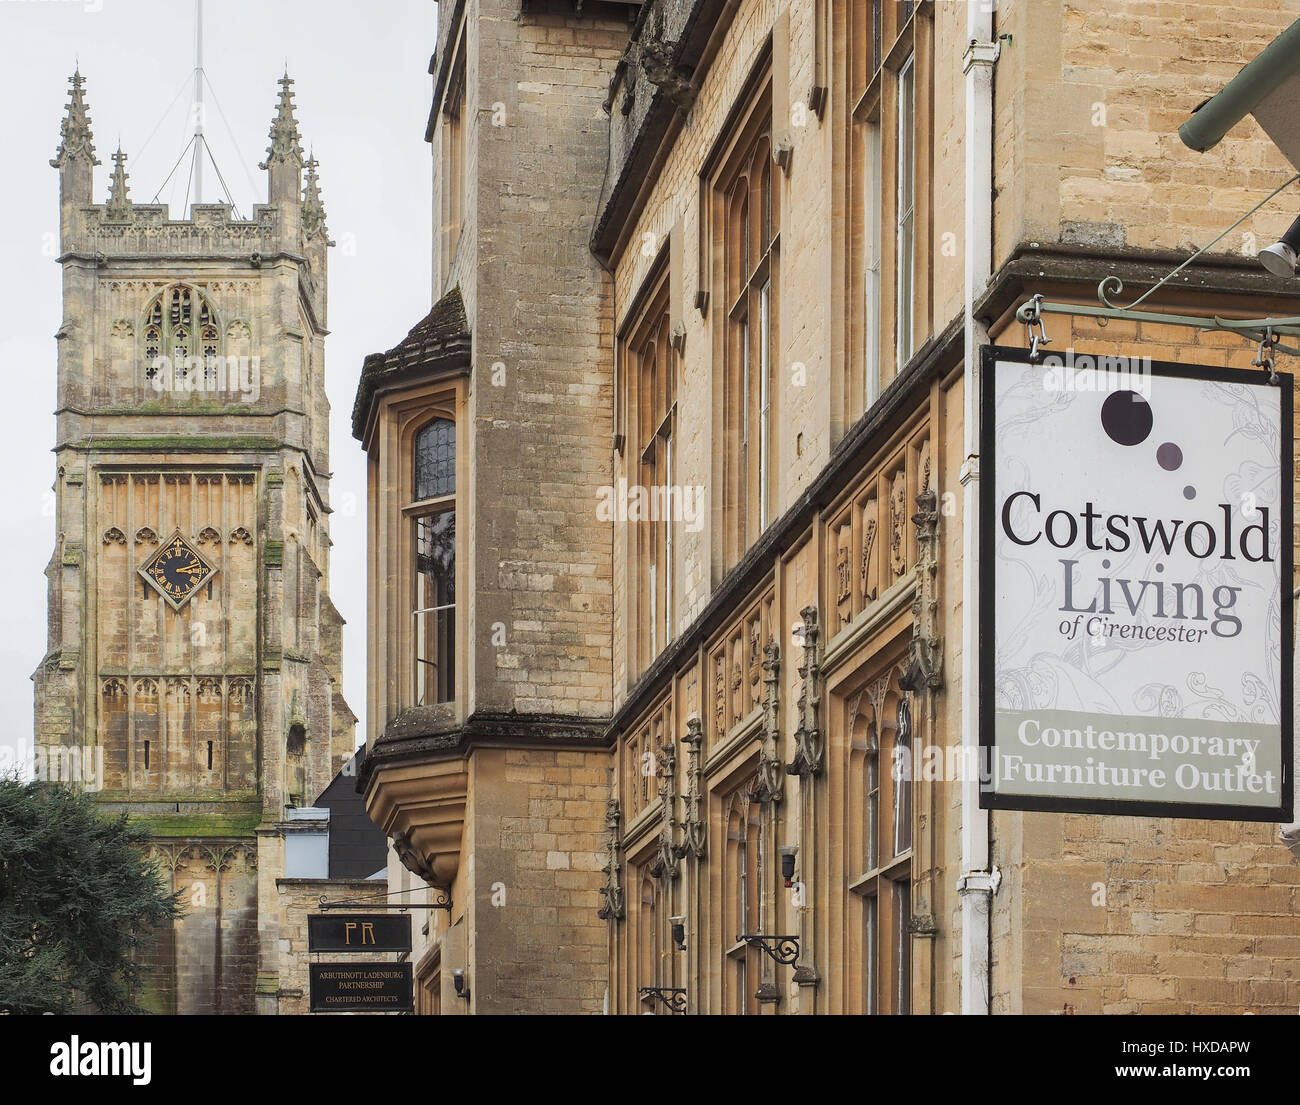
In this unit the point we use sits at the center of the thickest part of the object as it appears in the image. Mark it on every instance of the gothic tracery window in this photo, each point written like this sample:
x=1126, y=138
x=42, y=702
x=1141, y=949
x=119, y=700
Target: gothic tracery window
x=881, y=763
x=181, y=324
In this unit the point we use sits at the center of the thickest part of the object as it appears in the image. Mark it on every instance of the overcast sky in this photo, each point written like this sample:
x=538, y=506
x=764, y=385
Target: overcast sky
x=362, y=92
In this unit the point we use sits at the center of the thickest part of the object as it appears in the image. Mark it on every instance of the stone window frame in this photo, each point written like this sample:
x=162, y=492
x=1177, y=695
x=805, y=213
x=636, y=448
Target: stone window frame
x=417, y=511
x=454, y=157
x=884, y=42
x=882, y=880
x=743, y=817
x=744, y=191
x=652, y=366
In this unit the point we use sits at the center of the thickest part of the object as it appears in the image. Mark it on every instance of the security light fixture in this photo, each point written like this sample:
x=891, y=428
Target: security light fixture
x=1280, y=257
x=788, y=852
x=679, y=932
x=458, y=981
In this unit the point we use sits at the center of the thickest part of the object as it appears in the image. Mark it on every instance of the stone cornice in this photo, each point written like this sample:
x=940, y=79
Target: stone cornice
x=424, y=733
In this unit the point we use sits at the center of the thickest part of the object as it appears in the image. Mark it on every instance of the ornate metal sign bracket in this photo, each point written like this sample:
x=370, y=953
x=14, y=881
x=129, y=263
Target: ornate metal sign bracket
x=1263, y=331
x=672, y=997
x=780, y=949
x=442, y=900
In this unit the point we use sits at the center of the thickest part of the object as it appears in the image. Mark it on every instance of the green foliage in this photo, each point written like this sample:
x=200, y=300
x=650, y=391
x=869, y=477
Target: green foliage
x=77, y=899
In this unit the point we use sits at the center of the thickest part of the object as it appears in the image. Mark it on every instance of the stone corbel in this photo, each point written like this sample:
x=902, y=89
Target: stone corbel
x=677, y=339
x=771, y=785
x=655, y=58
x=810, y=744
x=612, y=891
x=693, y=828
x=665, y=864
x=411, y=858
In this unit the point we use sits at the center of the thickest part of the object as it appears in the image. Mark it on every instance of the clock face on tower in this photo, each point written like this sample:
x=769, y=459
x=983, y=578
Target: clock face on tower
x=177, y=570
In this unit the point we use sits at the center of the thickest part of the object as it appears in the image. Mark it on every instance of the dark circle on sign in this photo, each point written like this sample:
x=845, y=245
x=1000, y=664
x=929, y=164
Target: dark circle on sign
x=1189, y=492
x=1169, y=457
x=1126, y=417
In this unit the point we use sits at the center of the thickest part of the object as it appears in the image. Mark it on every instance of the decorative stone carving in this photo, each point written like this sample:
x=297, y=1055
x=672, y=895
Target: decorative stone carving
x=114, y=688
x=145, y=536
x=74, y=132
x=755, y=657
x=114, y=536
x=411, y=859
x=770, y=782
x=285, y=139
x=313, y=207
x=870, y=524
x=898, y=525
x=843, y=575
x=694, y=826
x=209, y=536
x=665, y=864
x=720, y=696
x=809, y=742
x=612, y=891
x=241, y=536
x=655, y=57
x=737, y=681
x=924, y=668
x=119, y=202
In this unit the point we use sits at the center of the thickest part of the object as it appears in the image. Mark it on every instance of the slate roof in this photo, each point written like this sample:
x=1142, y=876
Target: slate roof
x=436, y=342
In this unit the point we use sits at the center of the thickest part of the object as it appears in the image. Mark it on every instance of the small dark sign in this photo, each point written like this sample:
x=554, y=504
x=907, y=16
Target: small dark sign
x=360, y=987
x=358, y=932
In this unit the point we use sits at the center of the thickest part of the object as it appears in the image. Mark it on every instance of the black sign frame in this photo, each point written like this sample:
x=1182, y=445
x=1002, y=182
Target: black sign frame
x=991, y=799
x=399, y=991
x=330, y=932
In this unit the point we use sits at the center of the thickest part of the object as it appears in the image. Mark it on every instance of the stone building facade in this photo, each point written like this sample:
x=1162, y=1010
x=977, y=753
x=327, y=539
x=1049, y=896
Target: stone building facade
x=700, y=380
x=193, y=647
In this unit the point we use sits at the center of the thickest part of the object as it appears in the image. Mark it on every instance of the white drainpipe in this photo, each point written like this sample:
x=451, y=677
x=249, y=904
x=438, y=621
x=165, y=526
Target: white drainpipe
x=1290, y=833
x=978, y=884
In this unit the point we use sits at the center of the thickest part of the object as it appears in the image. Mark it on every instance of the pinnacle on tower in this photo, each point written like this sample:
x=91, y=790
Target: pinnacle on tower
x=313, y=208
x=74, y=134
x=119, y=203
x=285, y=139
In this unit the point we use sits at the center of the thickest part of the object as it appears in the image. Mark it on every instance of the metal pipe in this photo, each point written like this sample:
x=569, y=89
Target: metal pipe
x=976, y=894
x=1275, y=65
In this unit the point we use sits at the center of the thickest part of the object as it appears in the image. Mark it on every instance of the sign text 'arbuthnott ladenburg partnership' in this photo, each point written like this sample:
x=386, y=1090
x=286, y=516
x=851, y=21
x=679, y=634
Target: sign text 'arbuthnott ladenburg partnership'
x=1135, y=588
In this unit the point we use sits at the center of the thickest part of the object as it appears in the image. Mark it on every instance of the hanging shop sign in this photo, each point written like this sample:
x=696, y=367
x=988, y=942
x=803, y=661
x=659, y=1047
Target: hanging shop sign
x=360, y=987
x=1135, y=587
x=358, y=932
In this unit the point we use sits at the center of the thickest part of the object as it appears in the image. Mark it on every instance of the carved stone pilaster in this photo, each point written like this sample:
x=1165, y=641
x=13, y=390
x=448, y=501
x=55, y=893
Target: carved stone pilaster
x=924, y=667
x=771, y=784
x=810, y=743
x=693, y=828
x=665, y=864
x=612, y=891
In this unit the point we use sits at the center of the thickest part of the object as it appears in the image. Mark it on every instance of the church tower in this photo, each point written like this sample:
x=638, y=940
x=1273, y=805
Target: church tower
x=194, y=653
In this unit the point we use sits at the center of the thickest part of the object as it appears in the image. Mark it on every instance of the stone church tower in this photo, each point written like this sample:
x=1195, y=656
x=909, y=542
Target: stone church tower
x=194, y=652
